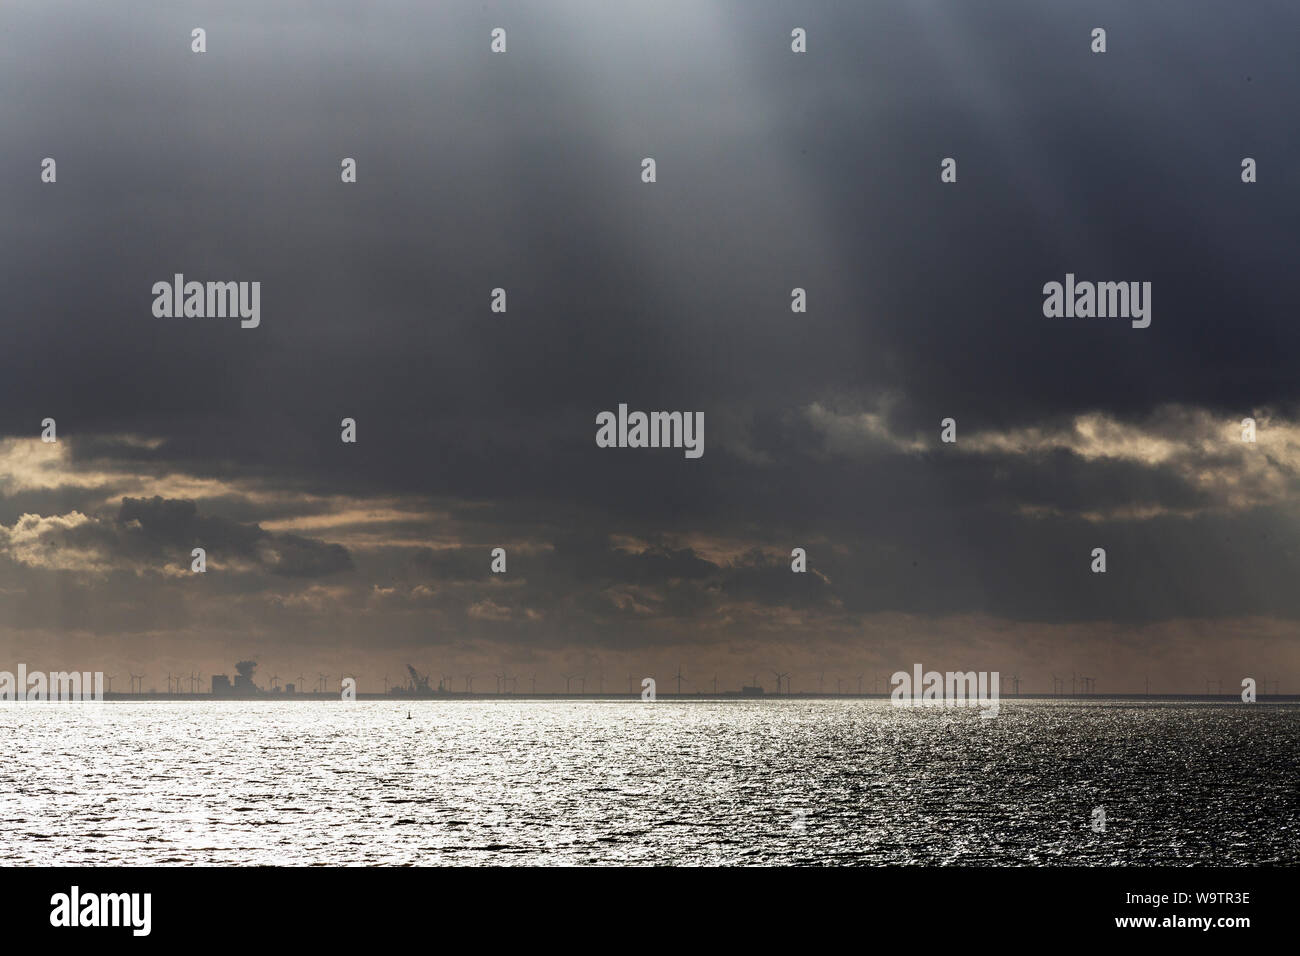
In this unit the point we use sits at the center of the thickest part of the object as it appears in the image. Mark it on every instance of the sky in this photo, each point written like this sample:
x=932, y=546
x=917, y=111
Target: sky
x=476, y=429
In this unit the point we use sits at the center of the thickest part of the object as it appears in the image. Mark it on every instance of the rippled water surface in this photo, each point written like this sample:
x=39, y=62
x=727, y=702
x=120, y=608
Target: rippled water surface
x=602, y=782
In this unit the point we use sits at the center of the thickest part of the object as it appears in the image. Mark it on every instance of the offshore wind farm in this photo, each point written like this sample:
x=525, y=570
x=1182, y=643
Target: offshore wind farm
x=417, y=685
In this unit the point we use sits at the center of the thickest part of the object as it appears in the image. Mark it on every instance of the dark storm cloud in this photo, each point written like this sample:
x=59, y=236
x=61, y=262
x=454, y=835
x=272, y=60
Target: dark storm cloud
x=775, y=171
x=298, y=557
x=520, y=173
x=155, y=534
x=171, y=526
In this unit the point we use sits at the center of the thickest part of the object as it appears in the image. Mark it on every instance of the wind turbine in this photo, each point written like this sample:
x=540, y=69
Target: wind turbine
x=821, y=682
x=323, y=679
x=108, y=679
x=859, y=685
x=715, y=685
x=275, y=681
x=679, y=680
x=469, y=683
x=1015, y=680
x=299, y=686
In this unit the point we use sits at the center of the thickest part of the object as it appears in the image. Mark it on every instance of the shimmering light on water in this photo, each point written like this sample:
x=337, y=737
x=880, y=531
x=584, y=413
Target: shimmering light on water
x=607, y=782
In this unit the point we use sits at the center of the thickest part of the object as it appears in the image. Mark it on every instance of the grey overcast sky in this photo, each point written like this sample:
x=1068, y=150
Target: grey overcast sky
x=477, y=430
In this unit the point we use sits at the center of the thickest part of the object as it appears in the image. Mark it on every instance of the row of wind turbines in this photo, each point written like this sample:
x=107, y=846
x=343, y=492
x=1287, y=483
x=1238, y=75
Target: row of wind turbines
x=507, y=683
x=176, y=683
